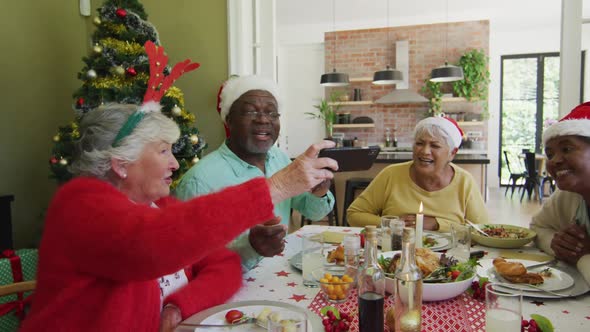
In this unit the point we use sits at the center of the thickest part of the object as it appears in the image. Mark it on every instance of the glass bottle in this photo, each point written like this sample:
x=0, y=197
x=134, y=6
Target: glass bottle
x=387, y=138
x=408, y=287
x=371, y=287
x=352, y=247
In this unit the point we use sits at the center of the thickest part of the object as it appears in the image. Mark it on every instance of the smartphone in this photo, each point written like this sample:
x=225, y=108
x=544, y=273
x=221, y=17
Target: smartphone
x=352, y=158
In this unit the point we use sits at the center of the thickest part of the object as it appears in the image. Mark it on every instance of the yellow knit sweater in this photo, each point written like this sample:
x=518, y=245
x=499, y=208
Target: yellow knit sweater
x=393, y=192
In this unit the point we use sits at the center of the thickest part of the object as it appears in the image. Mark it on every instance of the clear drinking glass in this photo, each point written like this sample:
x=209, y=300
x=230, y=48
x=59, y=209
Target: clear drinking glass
x=461, y=245
x=503, y=310
x=312, y=257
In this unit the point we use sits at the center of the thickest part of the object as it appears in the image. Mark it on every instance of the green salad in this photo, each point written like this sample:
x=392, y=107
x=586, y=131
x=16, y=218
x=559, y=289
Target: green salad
x=450, y=269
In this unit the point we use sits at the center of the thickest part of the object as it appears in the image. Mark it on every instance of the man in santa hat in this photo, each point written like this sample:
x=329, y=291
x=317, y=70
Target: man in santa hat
x=563, y=223
x=249, y=107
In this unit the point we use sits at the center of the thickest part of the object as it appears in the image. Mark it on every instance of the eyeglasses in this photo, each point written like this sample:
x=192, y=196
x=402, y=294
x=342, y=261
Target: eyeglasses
x=255, y=114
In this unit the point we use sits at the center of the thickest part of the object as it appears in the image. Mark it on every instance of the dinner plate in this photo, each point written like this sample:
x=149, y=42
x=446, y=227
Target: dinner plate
x=558, y=280
x=297, y=262
x=216, y=315
x=441, y=243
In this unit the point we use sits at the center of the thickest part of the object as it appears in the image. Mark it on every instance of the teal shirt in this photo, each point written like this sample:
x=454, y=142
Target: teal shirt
x=222, y=168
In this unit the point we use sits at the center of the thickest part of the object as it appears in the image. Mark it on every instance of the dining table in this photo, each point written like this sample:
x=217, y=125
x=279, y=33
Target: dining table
x=278, y=279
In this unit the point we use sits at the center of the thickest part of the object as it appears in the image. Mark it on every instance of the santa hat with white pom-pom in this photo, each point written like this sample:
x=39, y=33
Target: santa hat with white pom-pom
x=577, y=123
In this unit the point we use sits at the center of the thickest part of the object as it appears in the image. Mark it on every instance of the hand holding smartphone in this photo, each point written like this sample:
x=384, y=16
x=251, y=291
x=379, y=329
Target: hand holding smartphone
x=352, y=158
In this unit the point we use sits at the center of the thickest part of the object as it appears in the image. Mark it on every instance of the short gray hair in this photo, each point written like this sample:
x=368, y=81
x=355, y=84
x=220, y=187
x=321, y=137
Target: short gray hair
x=434, y=131
x=98, y=129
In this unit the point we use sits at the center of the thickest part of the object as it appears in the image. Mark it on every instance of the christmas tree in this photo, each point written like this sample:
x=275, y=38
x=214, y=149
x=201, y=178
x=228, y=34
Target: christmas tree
x=117, y=70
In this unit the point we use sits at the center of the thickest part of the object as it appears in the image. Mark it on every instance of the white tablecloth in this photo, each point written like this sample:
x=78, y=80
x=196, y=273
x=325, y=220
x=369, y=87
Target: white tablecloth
x=275, y=279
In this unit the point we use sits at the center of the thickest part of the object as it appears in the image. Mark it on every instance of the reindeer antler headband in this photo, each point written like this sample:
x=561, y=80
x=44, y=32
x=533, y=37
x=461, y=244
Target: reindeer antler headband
x=158, y=84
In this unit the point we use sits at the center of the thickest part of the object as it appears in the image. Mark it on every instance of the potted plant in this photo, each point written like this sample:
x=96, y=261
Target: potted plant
x=433, y=91
x=474, y=85
x=326, y=111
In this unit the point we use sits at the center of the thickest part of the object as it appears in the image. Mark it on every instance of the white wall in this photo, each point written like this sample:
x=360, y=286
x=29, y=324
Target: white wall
x=516, y=27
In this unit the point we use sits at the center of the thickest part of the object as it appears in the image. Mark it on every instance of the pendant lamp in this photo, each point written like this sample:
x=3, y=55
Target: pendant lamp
x=446, y=73
x=334, y=78
x=388, y=76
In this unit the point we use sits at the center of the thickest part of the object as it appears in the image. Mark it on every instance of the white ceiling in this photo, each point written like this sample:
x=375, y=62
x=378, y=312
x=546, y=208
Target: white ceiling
x=373, y=13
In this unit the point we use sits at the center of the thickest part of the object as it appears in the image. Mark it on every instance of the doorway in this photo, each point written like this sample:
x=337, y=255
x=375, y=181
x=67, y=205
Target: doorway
x=529, y=93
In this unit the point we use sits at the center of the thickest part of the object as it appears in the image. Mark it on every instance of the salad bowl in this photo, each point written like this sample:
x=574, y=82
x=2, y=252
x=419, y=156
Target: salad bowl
x=432, y=291
x=503, y=236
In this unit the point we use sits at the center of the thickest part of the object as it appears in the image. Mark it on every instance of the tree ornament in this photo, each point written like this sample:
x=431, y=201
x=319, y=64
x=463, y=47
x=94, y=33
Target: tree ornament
x=195, y=160
x=53, y=160
x=56, y=138
x=119, y=70
x=194, y=139
x=91, y=74
x=121, y=12
x=176, y=111
x=97, y=49
x=96, y=20
x=63, y=162
x=80, y=102
x=131, y=71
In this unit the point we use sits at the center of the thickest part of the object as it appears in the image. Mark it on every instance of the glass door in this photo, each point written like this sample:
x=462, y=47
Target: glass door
x=529, y=102
x=529, y=93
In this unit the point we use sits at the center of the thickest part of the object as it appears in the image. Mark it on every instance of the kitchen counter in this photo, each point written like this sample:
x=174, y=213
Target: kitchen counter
x=400, y=157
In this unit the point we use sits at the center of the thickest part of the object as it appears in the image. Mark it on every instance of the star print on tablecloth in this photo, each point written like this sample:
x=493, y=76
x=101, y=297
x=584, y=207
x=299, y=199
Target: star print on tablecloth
x=298, y=297
x=587, y=317
x=282, y=274
x=250, y=279
x=565, y=312
x=538, y=303
x=291, y=284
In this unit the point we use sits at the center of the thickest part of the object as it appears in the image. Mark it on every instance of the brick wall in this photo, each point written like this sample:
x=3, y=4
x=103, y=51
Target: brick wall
x=360, y=53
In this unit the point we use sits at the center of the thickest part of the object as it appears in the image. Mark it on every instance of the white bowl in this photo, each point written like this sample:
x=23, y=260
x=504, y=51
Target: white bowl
x=432, y=291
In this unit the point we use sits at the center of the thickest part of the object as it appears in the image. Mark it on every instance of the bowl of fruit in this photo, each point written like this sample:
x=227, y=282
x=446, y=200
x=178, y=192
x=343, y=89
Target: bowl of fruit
x=443, y=277
x=335, y=286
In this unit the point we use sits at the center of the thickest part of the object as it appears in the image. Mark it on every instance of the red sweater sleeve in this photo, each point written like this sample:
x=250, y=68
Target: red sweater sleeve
x=217, y=278
x=103, y=233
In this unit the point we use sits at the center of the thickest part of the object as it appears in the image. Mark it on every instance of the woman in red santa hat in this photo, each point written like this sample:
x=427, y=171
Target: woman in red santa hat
x=563, y=224
x=449, y=193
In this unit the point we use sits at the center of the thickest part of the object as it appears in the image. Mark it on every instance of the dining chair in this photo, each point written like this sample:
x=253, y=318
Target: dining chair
x=332, y=216
x=18, y=287
x=514, y=176
x=531, y=182
x=547, y=183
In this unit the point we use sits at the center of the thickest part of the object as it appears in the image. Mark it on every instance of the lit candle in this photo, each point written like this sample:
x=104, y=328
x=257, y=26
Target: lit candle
x=419, y=226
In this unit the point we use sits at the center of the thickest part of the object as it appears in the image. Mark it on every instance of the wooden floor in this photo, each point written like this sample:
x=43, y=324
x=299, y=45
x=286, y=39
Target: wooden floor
x=505, y=210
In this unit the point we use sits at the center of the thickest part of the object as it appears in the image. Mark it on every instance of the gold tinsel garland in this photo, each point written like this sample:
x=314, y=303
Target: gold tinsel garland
x=123, y=47
x=75, y=131
x=115, y=28
x=117, y=82
x=177, y=94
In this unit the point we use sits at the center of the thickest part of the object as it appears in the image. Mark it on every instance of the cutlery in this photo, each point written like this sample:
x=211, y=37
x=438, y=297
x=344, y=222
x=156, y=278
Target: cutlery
x=547, y=263
x=477, y=228
x=512, y=286
x=249, y=320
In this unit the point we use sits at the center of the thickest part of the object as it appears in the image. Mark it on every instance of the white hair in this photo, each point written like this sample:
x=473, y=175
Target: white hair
x=434, y=131
x=98, y=129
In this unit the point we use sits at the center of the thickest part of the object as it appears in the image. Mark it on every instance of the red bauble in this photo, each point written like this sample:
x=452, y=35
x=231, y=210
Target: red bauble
x=53, y=160
x=80, y=102
x=121, y=12
x=131, y=71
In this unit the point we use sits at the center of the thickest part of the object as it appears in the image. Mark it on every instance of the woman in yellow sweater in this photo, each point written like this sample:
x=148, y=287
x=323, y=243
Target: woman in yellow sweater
x=449, y=193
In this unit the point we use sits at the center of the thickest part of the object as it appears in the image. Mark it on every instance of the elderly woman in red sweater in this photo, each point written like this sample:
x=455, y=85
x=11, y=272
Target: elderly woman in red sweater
x=118, y=254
